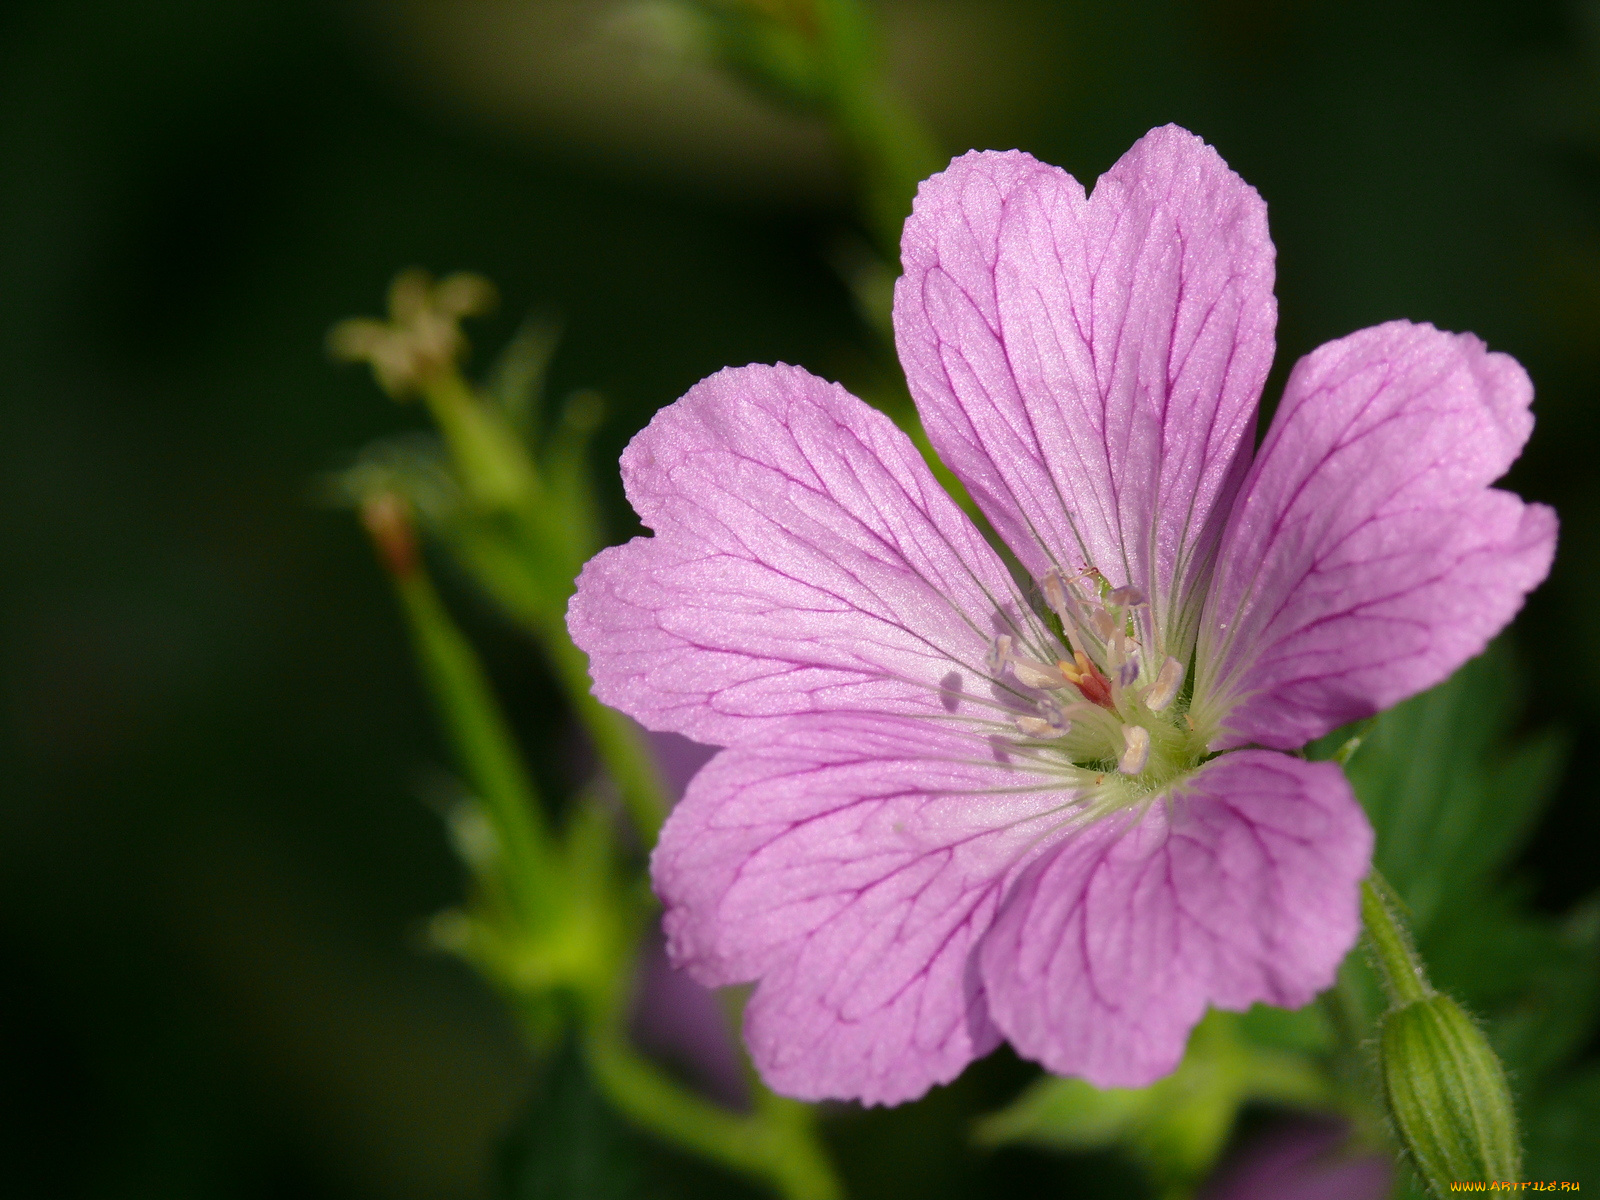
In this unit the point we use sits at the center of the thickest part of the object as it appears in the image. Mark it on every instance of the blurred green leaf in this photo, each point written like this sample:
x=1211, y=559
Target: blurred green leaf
x=1538, y=981
x=1176, y=1128
x=1301, y=1029
x=776, y=48
x=825, y=57
x=1561, y=1140
x=569, y=479
x=1451, y=802
x=1452, y=794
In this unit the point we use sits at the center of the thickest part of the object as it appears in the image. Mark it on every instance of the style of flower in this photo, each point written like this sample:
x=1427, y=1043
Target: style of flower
x=1051, y=803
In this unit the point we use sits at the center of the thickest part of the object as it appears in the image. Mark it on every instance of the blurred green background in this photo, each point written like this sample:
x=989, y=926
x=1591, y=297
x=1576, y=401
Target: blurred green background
x=216, y=840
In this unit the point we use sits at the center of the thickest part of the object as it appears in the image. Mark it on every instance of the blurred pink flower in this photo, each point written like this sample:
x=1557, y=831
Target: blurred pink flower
x=955, y=809
x=675, y=1019
x=1301, y=1159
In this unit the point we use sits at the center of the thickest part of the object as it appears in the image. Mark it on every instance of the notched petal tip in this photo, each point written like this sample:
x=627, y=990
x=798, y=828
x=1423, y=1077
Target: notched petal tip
x=1090, y=365
x=1368, y=556
x=804, y=560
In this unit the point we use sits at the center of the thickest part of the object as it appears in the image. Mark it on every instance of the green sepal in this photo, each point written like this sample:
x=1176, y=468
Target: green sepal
x=1452, y=796
x=1448, y=1095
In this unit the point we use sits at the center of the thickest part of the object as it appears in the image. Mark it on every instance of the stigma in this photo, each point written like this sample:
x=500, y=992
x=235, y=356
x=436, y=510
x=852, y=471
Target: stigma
x=1102, y=691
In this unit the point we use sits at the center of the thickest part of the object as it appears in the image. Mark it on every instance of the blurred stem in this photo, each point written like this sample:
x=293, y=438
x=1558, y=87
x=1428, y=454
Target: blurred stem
x=776, y=1144
x=1404, y=977
x=535, y=583
x=890, y=148
x=473, y=723
x=620, y=743
x=493, y=470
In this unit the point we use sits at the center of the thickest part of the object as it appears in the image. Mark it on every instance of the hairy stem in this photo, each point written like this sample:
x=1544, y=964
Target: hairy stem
x=1399, y=966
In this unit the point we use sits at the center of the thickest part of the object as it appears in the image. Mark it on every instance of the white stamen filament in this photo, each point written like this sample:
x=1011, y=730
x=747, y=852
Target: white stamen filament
x=1135, y=749
x=1055, y=593
x=1064, y=605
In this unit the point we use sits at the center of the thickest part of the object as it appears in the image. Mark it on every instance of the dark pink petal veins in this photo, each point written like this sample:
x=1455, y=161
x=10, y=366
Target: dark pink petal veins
x=850, y=864
x=1367, y=557
x=1238, y=886
x=1090, y=368
x=805, y=560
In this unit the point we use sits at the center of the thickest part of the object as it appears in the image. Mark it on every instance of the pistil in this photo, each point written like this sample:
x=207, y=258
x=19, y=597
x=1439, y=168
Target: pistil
x=1102, y=700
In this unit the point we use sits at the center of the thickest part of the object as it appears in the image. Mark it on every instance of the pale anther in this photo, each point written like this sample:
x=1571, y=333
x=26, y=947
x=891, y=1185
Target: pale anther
x=1050, y=708
x=1135, y=749
x=999, y=653
x=1165, y=688
x=1055, y=593
x=1126, y=597
x=1036, y=674
x=1038, y=728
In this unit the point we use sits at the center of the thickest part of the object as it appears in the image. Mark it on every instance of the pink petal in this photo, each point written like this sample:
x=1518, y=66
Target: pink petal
x=851, y=864
x=1238, y=886
x=1367, y=557
x=1090, y=368
x=805, y=560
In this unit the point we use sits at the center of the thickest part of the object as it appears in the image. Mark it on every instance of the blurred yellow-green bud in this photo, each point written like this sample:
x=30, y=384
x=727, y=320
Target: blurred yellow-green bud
x=422, y=336
x=1448, y=1095
x=418, y=350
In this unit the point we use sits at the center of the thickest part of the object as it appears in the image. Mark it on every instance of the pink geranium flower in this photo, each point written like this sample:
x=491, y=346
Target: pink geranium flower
x=955, y=807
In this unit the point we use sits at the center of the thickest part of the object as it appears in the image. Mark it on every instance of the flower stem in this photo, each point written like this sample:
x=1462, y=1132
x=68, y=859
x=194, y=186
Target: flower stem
x=620, y=743
x=776, y=1144
x=1404, y=977
x=468, y=712
x=529, y=565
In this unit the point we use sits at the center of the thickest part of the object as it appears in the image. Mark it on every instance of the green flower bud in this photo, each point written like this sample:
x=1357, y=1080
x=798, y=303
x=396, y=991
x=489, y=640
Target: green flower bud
x=1448, y=1095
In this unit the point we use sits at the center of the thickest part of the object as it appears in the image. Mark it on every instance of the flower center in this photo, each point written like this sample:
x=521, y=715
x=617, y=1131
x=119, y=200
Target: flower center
x=1103, y=695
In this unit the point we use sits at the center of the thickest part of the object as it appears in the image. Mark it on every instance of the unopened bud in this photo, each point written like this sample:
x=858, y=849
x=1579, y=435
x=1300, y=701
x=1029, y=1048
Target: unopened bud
x=387, y=519
x=1448, y=1095
x=422, y=337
